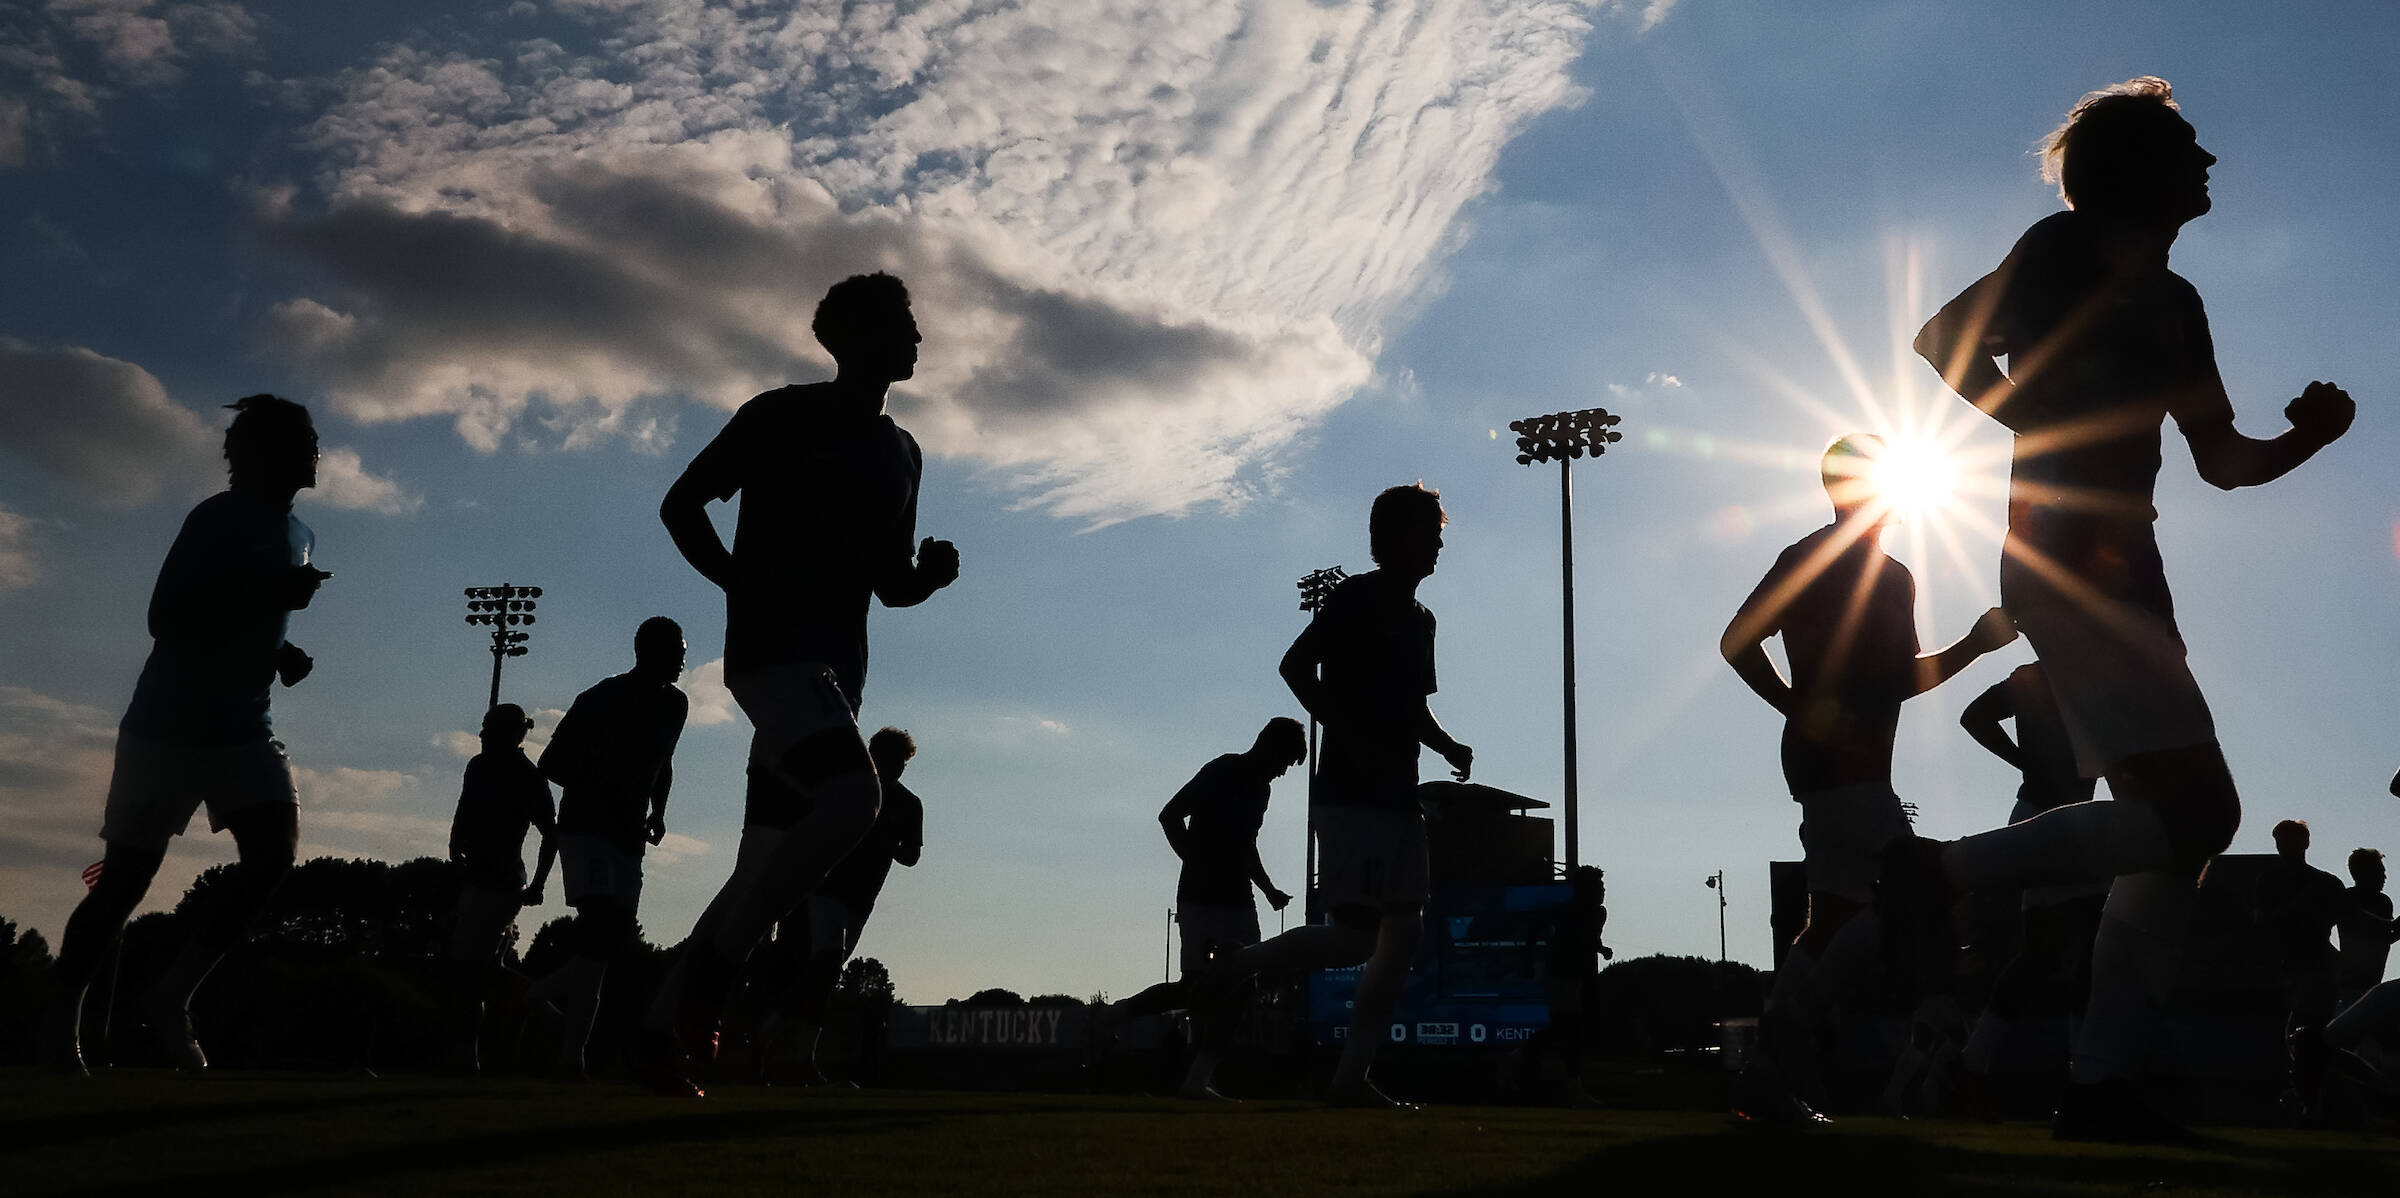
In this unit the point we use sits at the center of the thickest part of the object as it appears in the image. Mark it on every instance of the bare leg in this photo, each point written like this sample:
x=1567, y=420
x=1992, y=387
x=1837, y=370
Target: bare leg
x=1378, y=995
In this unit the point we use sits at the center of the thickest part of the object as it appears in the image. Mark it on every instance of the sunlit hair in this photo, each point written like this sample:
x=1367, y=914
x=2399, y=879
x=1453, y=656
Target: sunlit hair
x=1395, y=510
x=857, y=307
x=2109, y=138
x=1850, y=459
x=1282, y=739
x=2291, y=835
x=891, y=744
x=267, y=424
x=2360, y=859
x=657, y=634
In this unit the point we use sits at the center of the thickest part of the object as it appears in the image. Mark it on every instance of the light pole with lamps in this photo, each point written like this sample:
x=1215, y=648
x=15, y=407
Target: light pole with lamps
x=1562, y=437
x=1716, y=882
x=502, y=608
x=1315, y=587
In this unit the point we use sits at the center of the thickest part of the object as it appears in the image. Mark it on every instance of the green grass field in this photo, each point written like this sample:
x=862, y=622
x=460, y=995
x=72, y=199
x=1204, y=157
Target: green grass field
x=141, y=1132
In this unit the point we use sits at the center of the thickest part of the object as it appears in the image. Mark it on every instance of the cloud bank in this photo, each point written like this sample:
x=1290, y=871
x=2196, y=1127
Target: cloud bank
x=1151, y=245
x=108, y=430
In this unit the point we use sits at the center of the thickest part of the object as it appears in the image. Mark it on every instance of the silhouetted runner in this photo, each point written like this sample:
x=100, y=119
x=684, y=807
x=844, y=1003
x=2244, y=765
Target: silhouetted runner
x=197, y=732
x=2105, y=343
x=828, y=519
x=2298, y=905
x=613, y=757
x=2050, y=974
x=2367, y=929
x=837, y=913
x=1212, y=824
x=1364, y=667
x=1847, y=615
x=502, y=797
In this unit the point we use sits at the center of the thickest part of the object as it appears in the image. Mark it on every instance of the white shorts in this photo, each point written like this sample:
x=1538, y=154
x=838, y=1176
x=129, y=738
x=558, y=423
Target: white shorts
x=2122, y=683
x=1841, y=831
x=787, y=704
x=157, y=786
x=594, y=868
x=1369, y=857
x=1207, y=925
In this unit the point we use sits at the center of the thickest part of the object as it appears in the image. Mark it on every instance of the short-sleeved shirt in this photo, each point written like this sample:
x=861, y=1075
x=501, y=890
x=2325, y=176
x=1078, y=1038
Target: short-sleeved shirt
x=1222, y=806
x=613, y=756
x=502, y=796
x=2101, y=352
x=898, y=831
x=828, y=517
x=1847, y=613
x=2051, y=778
x=217, y=624
x=2366, y=935
x=1374, y=642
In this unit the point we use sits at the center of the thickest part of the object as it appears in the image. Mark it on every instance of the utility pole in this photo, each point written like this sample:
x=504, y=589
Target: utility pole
x=1716, y=882
x=502, y=608
x=1562, y=437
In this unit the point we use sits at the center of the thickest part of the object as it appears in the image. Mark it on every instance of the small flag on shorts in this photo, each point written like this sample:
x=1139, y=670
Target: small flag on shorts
x=91, y=874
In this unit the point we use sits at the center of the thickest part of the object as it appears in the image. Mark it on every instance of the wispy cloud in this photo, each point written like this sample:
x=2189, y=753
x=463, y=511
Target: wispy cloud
x=344, y=482
x=20, y=565
x=1151, y=245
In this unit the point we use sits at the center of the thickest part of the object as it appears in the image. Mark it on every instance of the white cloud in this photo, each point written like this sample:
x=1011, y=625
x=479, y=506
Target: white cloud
x=104, y=425
x=344, y=482
x=676, y=846
x=1053, y=726
x=1151, y=246
x=711, y=703
x=15, y=118
x=20, y=566
x=145, y=42
x=463, y=743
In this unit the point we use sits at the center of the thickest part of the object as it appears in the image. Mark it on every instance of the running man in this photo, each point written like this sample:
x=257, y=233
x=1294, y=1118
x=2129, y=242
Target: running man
x=1847, y=614
x=828, y=520
x=2367, y=929
x=2298, y=905
x=1212, y=824
x=1363, y=667
x=198, y=733
x=2054, y=951
x=838, y=911
x=613, y=757
x=502, y=797
x=2105, y=343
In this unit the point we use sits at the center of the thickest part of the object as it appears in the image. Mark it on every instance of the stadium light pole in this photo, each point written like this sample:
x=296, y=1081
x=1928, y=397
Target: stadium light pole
x=1562, y=437
x=502, y=608
x=1315, y=586
x=1716, y=882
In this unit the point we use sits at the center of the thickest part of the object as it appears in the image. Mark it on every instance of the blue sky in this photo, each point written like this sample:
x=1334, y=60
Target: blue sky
x=1197, y=281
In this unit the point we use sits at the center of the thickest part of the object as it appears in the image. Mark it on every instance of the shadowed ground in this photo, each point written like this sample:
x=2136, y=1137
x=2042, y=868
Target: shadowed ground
x=145, y=1132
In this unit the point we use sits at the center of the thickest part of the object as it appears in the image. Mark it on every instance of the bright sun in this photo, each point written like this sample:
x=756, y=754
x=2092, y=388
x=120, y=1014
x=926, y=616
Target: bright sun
x=1914, y=477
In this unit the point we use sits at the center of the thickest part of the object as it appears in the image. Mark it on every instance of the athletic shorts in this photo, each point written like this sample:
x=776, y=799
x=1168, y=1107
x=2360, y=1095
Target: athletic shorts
x=2122, y=683
x=833, y=923
x=1841, y=832
x=484, y=913
x=595, y=868
x=1207, y=925
x=786, y=705
x=157, y=786
x=1371, y=857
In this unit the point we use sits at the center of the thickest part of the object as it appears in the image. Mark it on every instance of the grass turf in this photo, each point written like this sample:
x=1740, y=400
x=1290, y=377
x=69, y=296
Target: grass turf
x=133, y=1131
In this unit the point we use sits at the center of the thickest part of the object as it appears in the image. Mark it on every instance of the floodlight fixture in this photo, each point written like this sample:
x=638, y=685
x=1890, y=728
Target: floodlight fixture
x=505, y=609
x=1562, y=437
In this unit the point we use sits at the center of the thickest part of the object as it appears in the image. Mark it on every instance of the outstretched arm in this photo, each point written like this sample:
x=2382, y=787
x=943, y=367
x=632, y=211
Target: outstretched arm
x=1992, y=630
x=1982, y=719
x=2227, y=459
